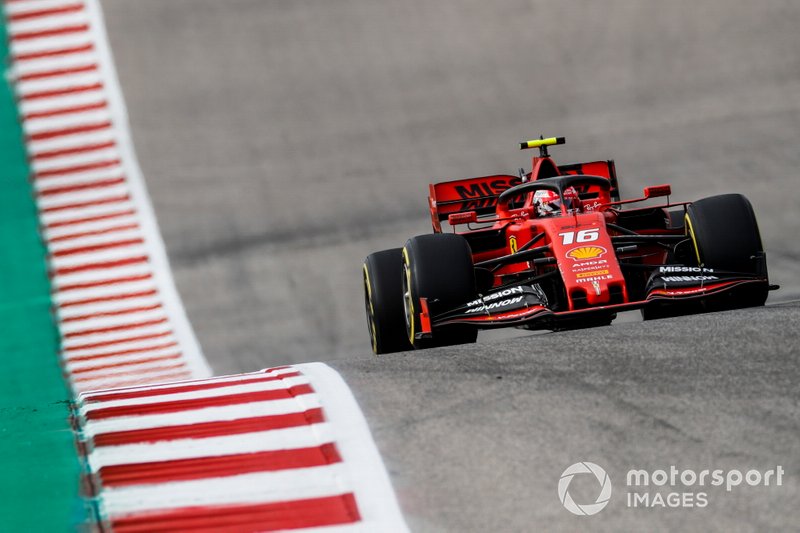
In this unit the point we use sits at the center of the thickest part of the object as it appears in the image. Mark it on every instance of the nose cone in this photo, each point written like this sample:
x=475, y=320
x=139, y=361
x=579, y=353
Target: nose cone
x=587, y=262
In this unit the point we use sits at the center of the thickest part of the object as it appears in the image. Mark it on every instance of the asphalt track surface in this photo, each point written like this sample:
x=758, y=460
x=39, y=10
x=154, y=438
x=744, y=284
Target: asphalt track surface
x=284, y=141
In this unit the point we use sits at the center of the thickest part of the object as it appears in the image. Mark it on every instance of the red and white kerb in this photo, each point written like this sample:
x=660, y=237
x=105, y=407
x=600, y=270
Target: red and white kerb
x=271, y=450
x=120, y=319
x=281, y=449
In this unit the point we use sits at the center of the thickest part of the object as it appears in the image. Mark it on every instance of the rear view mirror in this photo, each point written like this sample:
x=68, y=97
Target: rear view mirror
x=462, y=218
x=657, y=190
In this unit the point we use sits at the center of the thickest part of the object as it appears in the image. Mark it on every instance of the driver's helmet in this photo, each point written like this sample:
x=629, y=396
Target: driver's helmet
x=547, y=203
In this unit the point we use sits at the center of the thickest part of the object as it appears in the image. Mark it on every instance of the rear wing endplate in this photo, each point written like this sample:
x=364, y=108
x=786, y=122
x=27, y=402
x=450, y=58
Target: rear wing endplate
x=473, y=194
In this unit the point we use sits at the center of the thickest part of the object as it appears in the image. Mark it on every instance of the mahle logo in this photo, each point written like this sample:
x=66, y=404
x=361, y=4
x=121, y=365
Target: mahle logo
x=586, y=509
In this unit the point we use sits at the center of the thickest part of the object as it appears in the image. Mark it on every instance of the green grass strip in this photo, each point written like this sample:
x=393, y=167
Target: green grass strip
x=39, y=487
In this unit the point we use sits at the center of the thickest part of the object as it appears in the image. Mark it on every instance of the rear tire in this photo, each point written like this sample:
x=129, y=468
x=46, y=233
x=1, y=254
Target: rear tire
x=383, y=299
x=437, y=267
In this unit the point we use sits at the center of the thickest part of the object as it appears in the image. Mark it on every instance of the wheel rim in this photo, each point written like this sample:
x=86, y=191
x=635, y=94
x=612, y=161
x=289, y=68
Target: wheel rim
x=373, y=333
x=690, y=233
x=408, y=299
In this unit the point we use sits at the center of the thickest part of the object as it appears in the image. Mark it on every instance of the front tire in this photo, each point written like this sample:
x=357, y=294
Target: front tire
x=383, y=299
x=725, y=235
x=437, y=267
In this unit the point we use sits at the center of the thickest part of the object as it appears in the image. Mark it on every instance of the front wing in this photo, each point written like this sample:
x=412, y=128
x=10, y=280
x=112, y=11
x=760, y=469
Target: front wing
x=527, y=304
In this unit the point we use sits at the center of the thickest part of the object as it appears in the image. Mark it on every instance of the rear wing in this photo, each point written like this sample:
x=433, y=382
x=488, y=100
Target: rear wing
x=481, y=194
x=472, y=194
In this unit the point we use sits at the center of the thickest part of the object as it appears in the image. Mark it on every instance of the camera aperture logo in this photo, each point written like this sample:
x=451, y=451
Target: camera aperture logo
x=586, y=509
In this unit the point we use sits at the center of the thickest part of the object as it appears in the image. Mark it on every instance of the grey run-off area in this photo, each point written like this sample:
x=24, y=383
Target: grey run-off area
x=284, y=141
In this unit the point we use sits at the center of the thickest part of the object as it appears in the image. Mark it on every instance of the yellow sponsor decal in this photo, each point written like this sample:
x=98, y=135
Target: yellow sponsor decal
x=512, y=243
x=592, y=273
x=582, y=253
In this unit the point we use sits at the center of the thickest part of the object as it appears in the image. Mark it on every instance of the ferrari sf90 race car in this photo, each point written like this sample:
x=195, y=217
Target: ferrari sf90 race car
x=556, y=248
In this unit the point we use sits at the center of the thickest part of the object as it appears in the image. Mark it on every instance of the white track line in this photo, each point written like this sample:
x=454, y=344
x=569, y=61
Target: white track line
x=248, y=488
x=262, y=441
x=297, y=404
x=242, y=388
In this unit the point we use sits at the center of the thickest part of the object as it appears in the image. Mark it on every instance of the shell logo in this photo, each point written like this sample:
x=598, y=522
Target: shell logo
x=582, y=253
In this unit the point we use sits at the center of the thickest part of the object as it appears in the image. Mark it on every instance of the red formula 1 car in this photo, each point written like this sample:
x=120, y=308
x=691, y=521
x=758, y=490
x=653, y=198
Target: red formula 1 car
x=557, y=248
